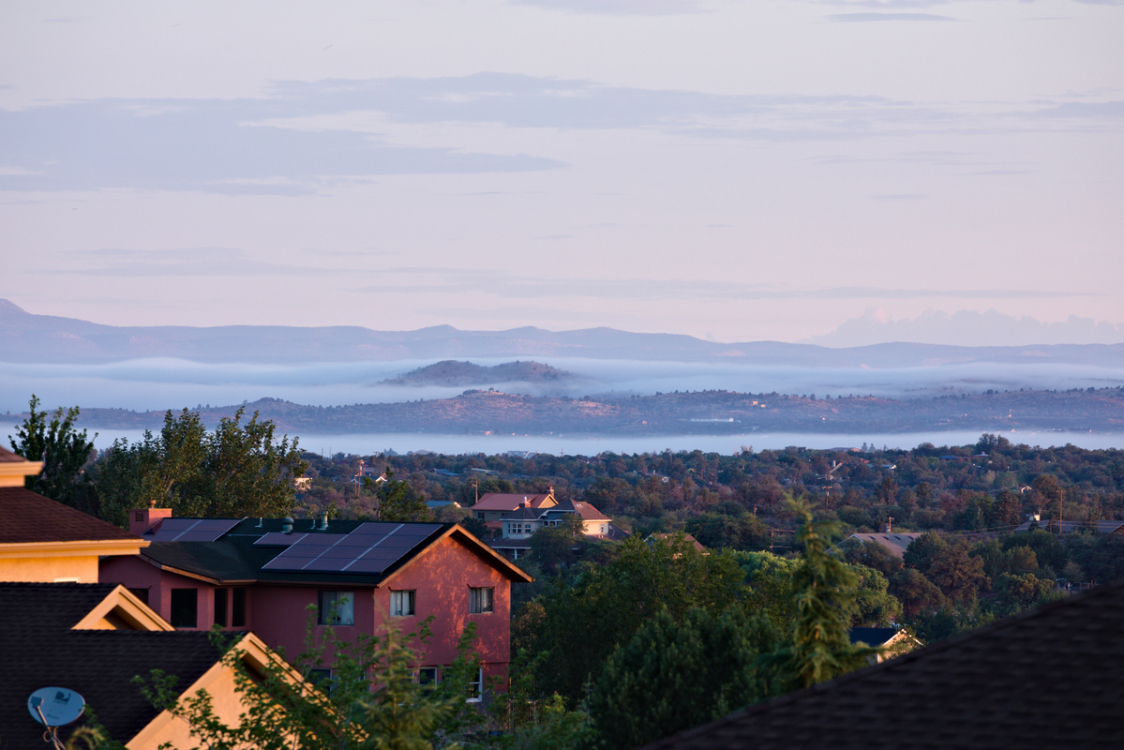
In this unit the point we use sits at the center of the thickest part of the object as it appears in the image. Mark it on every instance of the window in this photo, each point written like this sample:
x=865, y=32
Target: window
x=141, y=594
x=221, y=596
x=481, y=600
x=238, y=608
x=336, y=608
x=321, y=678
x=476, y=684
x=427, y=676
x=185, y=608
x=402, y=603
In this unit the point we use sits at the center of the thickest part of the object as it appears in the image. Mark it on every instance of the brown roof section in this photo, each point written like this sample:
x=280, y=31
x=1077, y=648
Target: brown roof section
x=7, y=457
x=1052, y=677
x=500, y=501
x=30, y=518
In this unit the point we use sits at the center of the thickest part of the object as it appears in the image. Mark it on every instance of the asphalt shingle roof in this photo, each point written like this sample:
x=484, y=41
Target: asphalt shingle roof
x=38, y=649
x=1049, y=678
x=27, y=517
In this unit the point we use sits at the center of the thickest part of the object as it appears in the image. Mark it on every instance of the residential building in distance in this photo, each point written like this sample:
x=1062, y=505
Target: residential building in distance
x=493, y=506
x=518, y=526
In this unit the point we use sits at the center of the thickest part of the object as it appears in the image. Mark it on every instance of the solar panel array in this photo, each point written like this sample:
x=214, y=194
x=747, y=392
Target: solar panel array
x=371, y=548
x=190, y=529
x=278, y=539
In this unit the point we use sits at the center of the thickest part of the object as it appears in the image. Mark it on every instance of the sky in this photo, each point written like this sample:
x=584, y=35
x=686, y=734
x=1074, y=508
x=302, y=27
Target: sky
x=836, y=171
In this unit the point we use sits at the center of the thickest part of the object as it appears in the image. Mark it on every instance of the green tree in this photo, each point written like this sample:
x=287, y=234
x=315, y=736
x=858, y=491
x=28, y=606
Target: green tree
x=399, y=501
x=64, y=450
x=824, y=589
x=674, y=675
x=714, y=530
x=237, y=470
x=373, y=702
x=576, y=627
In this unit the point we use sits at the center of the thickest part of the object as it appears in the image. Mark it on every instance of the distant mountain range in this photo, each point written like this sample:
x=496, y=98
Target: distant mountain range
x=30, y=338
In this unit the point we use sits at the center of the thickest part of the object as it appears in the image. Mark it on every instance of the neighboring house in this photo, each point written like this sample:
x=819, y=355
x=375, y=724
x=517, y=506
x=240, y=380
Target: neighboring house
x=1050, y=677
x=891, y=642
x=668, y=538
x=45, y=541
x=493, y=506
x=93, y=639
x=264, y=574
x=521, y=524
x=895, y=544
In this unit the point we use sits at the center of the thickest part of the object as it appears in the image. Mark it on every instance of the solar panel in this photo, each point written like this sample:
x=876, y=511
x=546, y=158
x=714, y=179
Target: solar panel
x=191, y=529
x=278, y=539
x=371, y=548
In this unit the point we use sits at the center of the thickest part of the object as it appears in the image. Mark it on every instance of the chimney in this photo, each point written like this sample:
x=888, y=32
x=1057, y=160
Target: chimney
x=144, y=519
x=889, y=524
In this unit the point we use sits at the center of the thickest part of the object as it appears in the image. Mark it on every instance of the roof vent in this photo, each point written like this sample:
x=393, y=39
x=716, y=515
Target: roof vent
x=287, y=525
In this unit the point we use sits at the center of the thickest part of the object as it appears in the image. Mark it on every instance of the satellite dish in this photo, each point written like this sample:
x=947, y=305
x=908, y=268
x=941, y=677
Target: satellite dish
x=55, y=706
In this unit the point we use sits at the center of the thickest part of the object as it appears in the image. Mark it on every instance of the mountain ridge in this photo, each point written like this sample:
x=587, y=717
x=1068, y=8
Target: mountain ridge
x=46, y=339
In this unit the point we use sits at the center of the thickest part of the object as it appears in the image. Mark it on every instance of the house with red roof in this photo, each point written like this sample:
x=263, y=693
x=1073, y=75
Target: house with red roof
x=45, y=541
x=264, y=574
x=493, y=506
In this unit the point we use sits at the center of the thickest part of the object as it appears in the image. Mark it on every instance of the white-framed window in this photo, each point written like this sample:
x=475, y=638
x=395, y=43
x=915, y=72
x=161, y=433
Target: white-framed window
x=481, y=600
x=427, y=676
x=336, y=608
x=402, y=603
x=476, y=687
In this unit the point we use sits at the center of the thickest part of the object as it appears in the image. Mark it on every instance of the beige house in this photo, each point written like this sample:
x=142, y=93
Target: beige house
x=45, y=541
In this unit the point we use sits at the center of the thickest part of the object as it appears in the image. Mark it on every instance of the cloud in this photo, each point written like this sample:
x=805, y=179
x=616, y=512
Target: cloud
x=210, y=262
x=968, y=328
x=866, y=17
x=205, y=146
x=418, y=280
x=619, y=7
x=301, y=137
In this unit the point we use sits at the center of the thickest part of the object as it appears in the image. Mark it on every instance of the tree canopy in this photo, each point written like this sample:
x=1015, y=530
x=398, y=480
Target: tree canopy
x=236, y=470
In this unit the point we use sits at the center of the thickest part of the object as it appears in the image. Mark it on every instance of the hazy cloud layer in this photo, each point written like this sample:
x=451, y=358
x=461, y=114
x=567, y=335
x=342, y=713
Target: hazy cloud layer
x=280, y=144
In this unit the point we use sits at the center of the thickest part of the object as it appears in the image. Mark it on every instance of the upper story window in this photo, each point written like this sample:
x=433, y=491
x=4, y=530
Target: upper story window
x=185, y=608
x=402, y=603
x=336, y=608
x=481, y=600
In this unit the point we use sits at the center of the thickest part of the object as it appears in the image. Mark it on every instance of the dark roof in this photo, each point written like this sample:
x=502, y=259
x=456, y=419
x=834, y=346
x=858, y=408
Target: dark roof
x=1052, y=677
x=872, y=636
x=27, y=517
x=236, y=557
x=38, y=649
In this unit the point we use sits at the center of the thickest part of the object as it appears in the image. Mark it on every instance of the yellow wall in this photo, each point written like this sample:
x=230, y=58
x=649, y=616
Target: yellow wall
x=49, y=569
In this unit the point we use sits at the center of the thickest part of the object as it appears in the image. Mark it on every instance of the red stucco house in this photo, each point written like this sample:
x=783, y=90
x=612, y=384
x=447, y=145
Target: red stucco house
x=262, y=575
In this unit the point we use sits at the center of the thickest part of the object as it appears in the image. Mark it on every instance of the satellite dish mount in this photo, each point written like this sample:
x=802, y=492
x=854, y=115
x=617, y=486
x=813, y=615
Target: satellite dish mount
x=54, y=707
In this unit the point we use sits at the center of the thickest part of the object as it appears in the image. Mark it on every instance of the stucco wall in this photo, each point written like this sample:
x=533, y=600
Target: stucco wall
x=49, y=569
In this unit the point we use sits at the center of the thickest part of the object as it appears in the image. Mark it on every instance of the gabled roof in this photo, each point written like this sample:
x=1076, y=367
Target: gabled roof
x=1050, y=677
x=505, y=501
x=40, y=647
x=14, y=468
x=239, y=556
x=874, y=637
x=27, y=518
x=522, y=514
x=894, y=543
x=586, y=511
